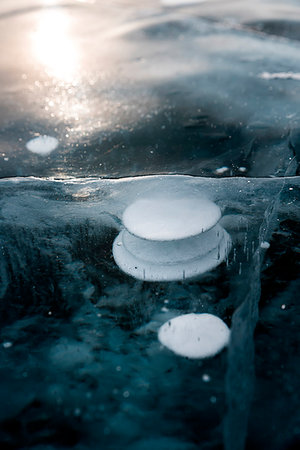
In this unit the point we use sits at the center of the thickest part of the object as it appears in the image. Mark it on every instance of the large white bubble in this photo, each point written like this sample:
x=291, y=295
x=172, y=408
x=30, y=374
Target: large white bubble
x=170, y=237
x=42, y=145
x=195, y=335
x=170, y=218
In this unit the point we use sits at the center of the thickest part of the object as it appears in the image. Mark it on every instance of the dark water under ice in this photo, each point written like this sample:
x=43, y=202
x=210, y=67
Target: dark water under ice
x=204, y=98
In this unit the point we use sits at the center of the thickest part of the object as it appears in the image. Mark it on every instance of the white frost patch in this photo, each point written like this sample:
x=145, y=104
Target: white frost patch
x=221, y=170
x=42, y=145
x=195, y=335
x=265, y=245
x=280, y=76
x=166, y=219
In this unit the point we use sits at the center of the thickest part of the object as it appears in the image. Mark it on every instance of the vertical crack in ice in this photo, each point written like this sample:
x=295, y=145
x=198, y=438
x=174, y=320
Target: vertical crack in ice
x=240, y=376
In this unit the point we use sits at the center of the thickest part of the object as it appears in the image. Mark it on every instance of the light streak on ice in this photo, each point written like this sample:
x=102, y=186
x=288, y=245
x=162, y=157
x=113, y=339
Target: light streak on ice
x=280, y=76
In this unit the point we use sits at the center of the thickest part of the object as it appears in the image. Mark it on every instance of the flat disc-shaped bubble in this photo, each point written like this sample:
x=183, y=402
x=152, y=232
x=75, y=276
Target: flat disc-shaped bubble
x=42, y=145
x=195, y=335
x=177, y=251
x=170, y=218
x=155, y=261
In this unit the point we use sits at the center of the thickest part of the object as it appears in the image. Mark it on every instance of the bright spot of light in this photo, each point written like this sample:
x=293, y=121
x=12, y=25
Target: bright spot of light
x=53, y=45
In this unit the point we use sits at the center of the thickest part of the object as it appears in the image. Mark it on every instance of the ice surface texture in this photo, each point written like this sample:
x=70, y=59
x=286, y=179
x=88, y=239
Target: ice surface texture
x=149, y=89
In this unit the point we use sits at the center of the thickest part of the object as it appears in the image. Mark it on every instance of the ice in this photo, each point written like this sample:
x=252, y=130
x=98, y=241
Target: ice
x=67, y=354
x=176, y=92
x=57, y=257
x=178, y=104
x=244, y=321
x=163, y=442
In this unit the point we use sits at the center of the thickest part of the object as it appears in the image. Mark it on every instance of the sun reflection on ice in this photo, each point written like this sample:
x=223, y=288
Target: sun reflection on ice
x=54, y=46
x=70, y=91
x=57, y=56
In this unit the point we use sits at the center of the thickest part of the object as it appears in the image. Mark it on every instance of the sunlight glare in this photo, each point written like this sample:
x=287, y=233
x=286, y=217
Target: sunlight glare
x=54, y=47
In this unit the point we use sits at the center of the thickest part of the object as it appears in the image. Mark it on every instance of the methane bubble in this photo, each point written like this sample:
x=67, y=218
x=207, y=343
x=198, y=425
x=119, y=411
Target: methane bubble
x=42, y=145
x=195, y=335
x=167, y=219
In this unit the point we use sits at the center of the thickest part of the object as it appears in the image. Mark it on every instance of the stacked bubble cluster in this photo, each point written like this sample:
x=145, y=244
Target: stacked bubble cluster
x=168, y=239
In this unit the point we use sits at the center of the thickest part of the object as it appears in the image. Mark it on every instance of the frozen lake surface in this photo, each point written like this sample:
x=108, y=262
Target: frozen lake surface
x=136, y=88
x=105, y=103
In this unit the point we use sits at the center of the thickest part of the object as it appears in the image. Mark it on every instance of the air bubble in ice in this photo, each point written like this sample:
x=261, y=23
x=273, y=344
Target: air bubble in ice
x=195, y=335
x=166, y=219
x=221, y=170
x=171, y=238
x=265, y=245
x=42, y=145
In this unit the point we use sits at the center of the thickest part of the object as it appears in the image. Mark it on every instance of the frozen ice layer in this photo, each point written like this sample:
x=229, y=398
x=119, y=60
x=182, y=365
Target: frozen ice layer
x=171, y=239
x=195, y=335
x=42, y=145
x=168, y=219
